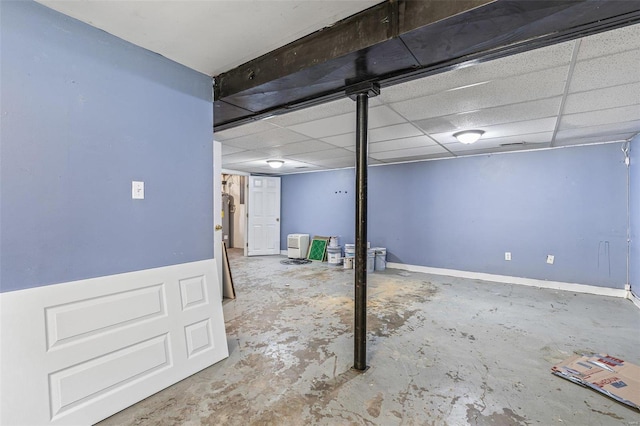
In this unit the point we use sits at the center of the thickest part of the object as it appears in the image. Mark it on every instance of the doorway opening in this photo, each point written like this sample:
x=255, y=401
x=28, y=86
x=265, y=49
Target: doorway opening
x=234, y=211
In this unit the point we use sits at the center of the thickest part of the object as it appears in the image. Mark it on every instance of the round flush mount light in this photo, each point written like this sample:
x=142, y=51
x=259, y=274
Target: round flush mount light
x=468, y=136
x=275, y=164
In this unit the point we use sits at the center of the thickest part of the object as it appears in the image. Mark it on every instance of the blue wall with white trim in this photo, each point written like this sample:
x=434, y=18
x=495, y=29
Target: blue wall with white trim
x=83, y=114
x=465, y=213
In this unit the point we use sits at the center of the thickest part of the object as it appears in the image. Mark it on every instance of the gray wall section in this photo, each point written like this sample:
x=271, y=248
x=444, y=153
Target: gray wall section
x=83, y=114
x=634, y=192
x=466, y=213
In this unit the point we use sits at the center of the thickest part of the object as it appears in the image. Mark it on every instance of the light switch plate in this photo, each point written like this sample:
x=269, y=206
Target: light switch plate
x=137, y=190
x=550, y=259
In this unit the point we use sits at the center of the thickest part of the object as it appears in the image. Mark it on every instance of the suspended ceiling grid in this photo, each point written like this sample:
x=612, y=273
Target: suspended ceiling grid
x=583, y=91
x=578, y=92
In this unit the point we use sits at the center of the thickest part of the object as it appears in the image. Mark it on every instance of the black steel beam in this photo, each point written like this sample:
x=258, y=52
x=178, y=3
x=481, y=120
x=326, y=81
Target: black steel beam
x=403, y=40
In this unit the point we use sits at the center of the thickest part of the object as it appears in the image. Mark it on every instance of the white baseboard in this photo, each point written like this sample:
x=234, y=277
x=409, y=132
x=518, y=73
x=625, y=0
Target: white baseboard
x=284, y=252
x=78, y=352
x=556, y=285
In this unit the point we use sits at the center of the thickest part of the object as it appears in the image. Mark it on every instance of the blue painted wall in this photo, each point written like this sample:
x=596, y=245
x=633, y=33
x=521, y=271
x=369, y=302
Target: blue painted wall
x=466, y=213
x=83, y=114
x=634, y=191
x=320, y=203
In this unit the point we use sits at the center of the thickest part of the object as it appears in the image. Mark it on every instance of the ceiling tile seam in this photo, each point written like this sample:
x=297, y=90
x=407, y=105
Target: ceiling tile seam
x=517, y=75
x=476, y=109
x=601, y=56
x=572, y=66
x=602, y=109
x=420, y=129
x=604, y=88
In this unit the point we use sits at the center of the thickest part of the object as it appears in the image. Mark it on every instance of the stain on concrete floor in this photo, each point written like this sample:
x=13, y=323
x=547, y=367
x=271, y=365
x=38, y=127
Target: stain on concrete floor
x=442, y=351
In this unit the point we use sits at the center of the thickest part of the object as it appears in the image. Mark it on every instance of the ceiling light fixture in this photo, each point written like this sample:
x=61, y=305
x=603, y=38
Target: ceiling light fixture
x=468, y=136
x=275, y=164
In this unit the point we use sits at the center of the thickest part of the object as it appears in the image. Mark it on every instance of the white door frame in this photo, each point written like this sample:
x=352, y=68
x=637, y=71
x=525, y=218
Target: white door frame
x=217, y=210
x=246, y=204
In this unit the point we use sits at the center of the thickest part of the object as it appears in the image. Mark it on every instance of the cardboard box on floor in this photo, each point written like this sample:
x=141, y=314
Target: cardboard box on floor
x=611, y=376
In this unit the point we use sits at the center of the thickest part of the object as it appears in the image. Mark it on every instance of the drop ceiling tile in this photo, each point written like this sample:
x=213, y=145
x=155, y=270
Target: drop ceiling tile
x=533, y=140
x=336, y=162
x=263, y=167
x=227, y=149
x=313, y=157
x=606, y=43
x=523, y=63
x=382, y=116
x=606, y=71
x=565, y=140
x=602, y=117
x=405, y=143
x=603, y=131
x=244, y=130
x=505, y=130
x=414, y=158
x=303, y=147
x=545, y=84
x=346, y=140
x=243, y=157
x=492, y=116
x=501, y=149
x=408, y=153
x=397, y=131
x=341, y=106
x=610, y=97
x=275, y=137
x=330, y=126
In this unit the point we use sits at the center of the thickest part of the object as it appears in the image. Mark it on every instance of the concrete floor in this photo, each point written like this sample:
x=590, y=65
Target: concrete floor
x=442, y=351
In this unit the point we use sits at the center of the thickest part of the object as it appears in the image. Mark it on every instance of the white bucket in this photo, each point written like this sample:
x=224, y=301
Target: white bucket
x=348, y=262
x=334, y=255
x=381, y=258
x=349, y=250
x=371, y=261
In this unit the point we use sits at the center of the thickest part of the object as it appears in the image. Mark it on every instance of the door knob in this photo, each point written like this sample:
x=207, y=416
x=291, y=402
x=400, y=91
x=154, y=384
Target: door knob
x=218, y=227
x=277, y=219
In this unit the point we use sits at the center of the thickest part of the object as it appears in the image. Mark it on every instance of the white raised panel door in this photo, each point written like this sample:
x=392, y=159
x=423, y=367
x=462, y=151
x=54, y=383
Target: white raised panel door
x=264, y=215
x=76, y=353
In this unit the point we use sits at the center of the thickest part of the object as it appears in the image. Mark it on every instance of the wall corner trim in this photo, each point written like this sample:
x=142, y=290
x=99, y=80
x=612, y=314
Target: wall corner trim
x=532, y=282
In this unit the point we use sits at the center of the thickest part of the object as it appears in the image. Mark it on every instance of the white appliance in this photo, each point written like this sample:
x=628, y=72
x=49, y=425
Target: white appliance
x=297, y=246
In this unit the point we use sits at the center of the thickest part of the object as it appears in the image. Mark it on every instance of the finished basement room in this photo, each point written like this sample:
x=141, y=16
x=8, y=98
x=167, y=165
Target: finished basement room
x=320, y=212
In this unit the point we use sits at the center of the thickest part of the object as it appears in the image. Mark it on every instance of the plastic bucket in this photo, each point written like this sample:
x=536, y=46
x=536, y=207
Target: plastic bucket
x=371, y=261
x=334, y=255
x=348, y=262
x=349, y=250
x=381, y=258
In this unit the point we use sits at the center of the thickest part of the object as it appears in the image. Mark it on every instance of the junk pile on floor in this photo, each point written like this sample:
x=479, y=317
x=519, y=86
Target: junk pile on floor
x=327, y=249
x=611, y=376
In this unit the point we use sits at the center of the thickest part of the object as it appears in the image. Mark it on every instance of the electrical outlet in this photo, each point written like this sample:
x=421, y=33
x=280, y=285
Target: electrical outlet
x=137, y=190
x=550, y=259
x=507, y=255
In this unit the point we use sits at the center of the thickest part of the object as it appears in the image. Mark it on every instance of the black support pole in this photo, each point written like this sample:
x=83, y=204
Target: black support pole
x=360, y=351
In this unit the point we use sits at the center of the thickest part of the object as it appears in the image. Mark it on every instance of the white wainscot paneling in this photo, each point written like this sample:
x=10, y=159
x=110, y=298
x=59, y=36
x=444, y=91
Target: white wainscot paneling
x=76, y=353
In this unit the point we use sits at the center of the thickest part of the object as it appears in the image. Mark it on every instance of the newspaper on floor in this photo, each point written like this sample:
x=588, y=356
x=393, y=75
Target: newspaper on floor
x=611, y=376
